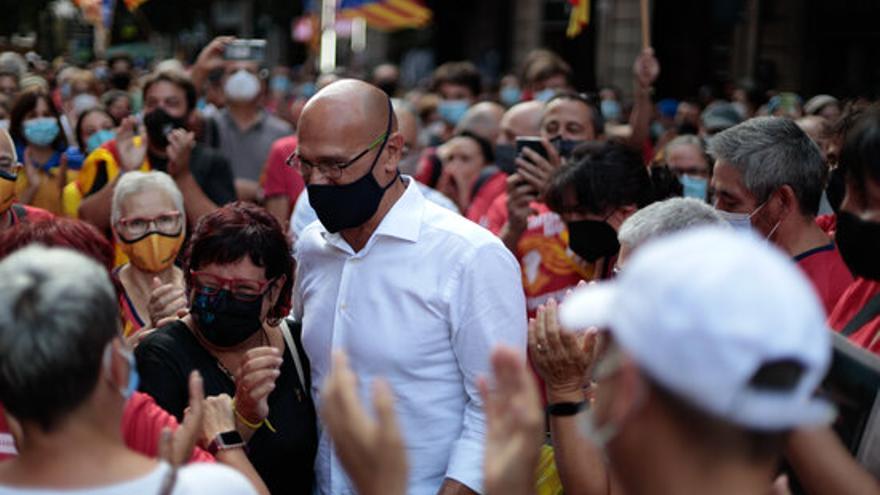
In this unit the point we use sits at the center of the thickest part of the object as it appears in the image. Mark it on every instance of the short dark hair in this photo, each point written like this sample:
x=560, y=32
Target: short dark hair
x=239, y=230
x=484, y=145
x=179, y=80
x=26, y=102
x=544, y=64
x=461, y=73
x=591, y=101
x=860, y=155
x=602, y=177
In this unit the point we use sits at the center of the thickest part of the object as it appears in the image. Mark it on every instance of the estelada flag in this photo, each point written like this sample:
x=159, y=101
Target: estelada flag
x=579, y=18
x=387, y=15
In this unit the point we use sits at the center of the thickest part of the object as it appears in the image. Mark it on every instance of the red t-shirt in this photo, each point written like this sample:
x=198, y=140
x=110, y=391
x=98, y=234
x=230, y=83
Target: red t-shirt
x=278, y=178
x=854, y=298
x=548, y=269
x=494, y=187
x=7, y=443
x=829, y=274
x=142, y=424
x=25, y=213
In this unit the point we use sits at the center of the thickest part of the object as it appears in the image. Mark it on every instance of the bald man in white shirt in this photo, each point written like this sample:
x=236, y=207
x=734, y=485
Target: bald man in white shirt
x=410, y=291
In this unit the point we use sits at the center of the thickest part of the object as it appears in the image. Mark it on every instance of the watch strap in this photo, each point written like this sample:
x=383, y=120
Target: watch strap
x=566, y=408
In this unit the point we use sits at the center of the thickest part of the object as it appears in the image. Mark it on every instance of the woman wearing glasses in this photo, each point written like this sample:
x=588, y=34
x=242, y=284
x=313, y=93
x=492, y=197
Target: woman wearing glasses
x=149, y=225
x=238, y=272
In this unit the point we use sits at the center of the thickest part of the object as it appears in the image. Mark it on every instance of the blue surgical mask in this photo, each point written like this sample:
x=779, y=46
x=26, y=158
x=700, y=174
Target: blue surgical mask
x=739, y=221
x=133, y=377
x=98, y=138
x=280, y=84
x=611, y=110
x=451, y=111
x=545, y=95
x=41, y=131
x=694, y=187
x=510, y=95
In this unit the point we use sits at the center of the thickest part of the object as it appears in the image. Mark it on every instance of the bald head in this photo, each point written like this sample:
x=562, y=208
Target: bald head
x=522, y=119
x=482, y=119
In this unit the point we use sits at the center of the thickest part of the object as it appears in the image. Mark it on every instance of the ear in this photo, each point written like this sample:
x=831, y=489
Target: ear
x=788, y=199
x=116, y=366
x=275, y=291
x=394, y=148
x=629, y=390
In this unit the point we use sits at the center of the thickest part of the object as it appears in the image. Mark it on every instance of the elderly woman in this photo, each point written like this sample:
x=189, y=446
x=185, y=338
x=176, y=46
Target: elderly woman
x=239, y=273
x=149, y=225
x=66, y=379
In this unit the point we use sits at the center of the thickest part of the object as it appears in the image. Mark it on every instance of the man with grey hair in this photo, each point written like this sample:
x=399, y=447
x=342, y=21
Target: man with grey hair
x=769, y=175
x=663, y=218
x=65, y=378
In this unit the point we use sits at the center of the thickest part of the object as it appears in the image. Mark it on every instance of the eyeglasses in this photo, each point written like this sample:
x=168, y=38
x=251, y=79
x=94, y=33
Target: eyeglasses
x=331, y=171
x=242, y=289
x=168, y=223
x=9, y=168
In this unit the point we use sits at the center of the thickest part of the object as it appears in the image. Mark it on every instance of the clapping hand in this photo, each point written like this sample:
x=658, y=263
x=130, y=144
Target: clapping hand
x=254, y=382
x=176, y=447
x=371, y=451
x=515, y=426
x=131, y=155
x=167, y=303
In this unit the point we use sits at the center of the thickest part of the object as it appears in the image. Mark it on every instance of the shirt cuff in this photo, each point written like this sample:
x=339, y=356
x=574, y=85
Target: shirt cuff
x=466, y=464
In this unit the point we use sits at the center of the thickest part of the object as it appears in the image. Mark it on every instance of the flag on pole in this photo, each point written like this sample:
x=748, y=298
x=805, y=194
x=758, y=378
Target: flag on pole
x=579, y=18
x=387, y=15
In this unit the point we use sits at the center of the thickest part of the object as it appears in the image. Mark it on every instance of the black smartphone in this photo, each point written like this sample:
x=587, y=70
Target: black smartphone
x=245, y=50
x=533, y=143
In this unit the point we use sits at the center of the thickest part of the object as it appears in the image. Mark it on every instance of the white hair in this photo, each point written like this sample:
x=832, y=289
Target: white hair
x=138, y=182
x=666, y=217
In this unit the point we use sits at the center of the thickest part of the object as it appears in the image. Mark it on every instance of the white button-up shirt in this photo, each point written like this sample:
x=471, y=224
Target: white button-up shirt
x=422, y=304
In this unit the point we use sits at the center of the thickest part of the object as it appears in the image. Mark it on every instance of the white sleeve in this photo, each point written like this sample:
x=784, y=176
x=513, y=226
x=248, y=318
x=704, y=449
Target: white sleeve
x=215, y=479
x=488, y=309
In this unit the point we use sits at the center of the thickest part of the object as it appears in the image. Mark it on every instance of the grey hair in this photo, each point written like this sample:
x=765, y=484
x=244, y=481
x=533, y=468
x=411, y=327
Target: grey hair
x=666, y=217
x=771, y=152
x=58, y=311
x=685, y=139
x=138, y=182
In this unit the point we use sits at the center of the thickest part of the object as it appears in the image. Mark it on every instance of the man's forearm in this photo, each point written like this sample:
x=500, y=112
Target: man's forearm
x=195, y=201
x=640, y=117
x=510, y=236
x=238, y=460
x=95, y=208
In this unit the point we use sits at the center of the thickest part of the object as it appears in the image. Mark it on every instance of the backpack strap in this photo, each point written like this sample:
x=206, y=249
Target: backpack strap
x=294, y=350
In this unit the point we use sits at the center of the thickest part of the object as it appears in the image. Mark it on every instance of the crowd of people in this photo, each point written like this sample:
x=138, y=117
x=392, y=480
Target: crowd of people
x=226, y=277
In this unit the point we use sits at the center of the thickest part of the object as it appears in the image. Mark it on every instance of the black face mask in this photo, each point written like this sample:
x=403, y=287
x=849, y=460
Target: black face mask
x=120, y=80
x=565, y=147
x=159, y=124
x=592, y=239
x=505, y=158
x=225, y=321
x=346, y=206
x=859, y=242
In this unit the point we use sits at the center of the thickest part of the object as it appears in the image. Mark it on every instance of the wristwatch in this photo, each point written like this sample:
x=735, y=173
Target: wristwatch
x=566, y=408
x=225, y=441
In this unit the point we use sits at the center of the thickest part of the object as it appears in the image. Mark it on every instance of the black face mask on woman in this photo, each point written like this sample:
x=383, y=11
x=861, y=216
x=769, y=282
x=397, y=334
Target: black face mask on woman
x=225, y=321
x=592, y=239
x=859, y=243
x=346, y=206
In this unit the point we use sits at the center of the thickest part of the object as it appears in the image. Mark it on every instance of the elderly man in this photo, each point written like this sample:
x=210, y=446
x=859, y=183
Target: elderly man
x=409, y=290
x=770, y=175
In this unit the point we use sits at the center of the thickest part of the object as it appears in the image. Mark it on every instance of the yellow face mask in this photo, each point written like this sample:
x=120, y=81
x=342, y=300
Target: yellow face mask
x=153, y=252
x=7, y=193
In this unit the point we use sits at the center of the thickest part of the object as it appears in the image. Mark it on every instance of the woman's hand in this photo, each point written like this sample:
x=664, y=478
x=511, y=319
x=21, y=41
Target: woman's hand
x=167, y=303
x=515, y=426
x=561, y=358
x=219, y=417
x=371, y=451
x=176, y=447
x=254, y=382
x=131, y=156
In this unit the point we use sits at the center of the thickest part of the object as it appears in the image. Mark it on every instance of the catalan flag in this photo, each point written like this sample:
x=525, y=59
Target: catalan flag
x=387, y=15
x=580, y=17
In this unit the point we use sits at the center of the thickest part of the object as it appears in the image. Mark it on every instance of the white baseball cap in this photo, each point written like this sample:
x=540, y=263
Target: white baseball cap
x=702, y=311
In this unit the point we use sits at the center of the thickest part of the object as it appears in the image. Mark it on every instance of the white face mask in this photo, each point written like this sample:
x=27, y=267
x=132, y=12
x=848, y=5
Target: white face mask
x=739, y=221
x=242, y=86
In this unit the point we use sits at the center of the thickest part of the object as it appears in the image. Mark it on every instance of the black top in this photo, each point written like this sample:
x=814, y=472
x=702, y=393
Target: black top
x=285, y=459
x=208, y=167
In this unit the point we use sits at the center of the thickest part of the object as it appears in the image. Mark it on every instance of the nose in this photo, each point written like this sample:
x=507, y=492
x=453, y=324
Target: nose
x=315, y=177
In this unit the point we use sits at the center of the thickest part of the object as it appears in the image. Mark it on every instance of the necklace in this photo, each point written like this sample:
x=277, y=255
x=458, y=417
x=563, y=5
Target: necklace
x=264, y=340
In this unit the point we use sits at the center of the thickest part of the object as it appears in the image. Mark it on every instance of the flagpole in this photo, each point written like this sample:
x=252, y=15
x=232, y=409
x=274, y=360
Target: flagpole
x=327, y=57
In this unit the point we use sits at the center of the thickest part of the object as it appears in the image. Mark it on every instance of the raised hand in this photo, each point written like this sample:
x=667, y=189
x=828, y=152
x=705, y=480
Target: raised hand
x=520, y=195
x=254, y=382
x=131, y=155
x=371, y=451
x=167, y=303
x=515, y=426
x=537, y=170
x=561, y=358
x=646, y=68
x=176, y=447
x=179, y=150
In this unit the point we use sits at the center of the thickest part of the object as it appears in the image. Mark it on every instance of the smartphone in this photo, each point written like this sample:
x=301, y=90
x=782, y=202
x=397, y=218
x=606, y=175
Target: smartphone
x=533, y=143
x=245, y=50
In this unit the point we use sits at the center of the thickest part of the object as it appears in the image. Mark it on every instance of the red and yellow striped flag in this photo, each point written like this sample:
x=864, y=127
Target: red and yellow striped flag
x=580, y=17
x=387, y=15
